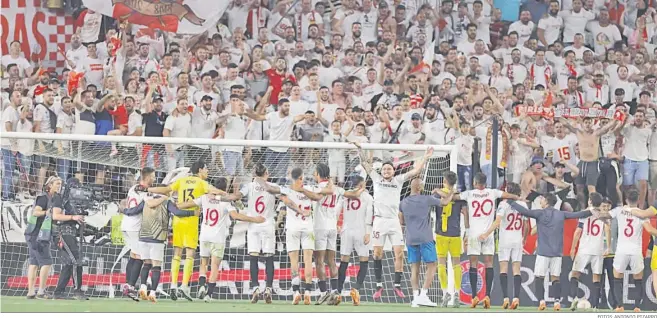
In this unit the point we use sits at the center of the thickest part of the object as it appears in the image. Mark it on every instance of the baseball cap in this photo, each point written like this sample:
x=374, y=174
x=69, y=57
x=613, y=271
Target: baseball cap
x=206, y=97
x=538, y=160
x=416, y=116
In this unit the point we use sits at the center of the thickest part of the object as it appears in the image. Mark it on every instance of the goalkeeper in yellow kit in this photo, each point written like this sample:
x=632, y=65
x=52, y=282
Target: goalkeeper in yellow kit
x=448, y=241
x=185, y=230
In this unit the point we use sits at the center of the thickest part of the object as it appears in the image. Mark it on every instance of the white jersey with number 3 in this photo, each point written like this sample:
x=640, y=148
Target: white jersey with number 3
x=630, y=231
x=260, y=203
x=592, y=240
x=481, y=204
x=216, y=218
x=295, y=221
x=511, y=226
x=326, y=210
x=387, y=195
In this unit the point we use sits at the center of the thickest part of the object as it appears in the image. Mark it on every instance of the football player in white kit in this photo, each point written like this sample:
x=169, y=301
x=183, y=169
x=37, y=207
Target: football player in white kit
x=325, y=214
x=214, y=229
x=590, y=235
x=386, y=223
x=511, y=233
x=481, y=203
x=629, y=250
x=355, y=236
x=130, y=226
x=260, y=237
x=299, y=234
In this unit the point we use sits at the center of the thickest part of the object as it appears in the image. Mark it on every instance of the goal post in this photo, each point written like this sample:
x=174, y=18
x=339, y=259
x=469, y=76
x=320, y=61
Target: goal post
x=90, y=158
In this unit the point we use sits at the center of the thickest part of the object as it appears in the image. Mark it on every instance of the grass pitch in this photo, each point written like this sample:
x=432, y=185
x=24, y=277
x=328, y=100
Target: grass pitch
x=21, y=304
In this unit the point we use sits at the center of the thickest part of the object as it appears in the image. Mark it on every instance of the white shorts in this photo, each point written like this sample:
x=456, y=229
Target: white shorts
x=547, y=266
x=326, y=240
x=338, y=169
x=131, y=240
x=261, y=240
x=152, y=251
x=212, y=249
x=476, y=247
x=581, y=260
x=299, y=240
x=634, y=261
x=387, y=228
x=510, y=253
x=350, y=241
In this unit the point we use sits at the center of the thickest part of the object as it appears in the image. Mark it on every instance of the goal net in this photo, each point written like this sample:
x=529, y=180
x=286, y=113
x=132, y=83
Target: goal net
x=109, y=175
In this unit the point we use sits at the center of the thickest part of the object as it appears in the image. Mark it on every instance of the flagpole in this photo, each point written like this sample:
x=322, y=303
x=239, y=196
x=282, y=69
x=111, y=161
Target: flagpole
x=286, y=13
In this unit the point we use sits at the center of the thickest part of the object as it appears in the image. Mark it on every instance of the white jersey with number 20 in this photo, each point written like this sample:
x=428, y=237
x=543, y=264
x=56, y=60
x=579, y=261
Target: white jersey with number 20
x=260, y=203
x=481, y=205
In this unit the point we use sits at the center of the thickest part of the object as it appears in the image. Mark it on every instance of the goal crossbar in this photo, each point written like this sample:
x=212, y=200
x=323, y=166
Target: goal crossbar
x=450, y=150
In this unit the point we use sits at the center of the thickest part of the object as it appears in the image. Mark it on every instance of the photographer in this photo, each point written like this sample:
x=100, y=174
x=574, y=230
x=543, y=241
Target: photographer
x=68, y=220
x=38, y=235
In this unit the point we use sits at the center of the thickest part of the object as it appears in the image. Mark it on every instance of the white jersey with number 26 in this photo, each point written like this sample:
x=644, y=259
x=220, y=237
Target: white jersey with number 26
x=630, y=231
x=216, y=218
x=260, y=203
x=481, y=205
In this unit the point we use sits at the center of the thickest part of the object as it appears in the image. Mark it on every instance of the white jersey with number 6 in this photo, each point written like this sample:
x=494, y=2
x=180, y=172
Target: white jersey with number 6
x=326, y=210
x=260, y=203
x=630, y=231
x=357, y=214
x=481, y=204
x=592, y=240
x=511, y=226
x=387, y=195
x=216, y=218
x=295, y=221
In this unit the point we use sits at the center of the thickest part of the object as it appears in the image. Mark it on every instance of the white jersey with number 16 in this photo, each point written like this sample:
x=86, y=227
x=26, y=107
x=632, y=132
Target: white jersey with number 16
x=630, y=231
x=481, y=205
x=261, y=203
x=592, y=240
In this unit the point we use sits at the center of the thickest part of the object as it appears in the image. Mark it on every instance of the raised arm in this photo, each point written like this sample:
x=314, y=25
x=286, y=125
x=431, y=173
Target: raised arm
x=568, y=125
x=577, y=215
x=363, y=158
x=525, y=211
x=160, y=190
x=134, y=210
x=419, y=165
x=644, y=214
x=606, y=128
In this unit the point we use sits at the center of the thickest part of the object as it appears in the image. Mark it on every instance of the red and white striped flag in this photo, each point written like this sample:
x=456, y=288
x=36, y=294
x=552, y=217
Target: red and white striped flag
x=178, y=16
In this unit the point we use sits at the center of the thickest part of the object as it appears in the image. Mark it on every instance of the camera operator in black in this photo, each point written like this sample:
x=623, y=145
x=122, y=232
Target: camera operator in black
x=38, y=236
x=68, y=225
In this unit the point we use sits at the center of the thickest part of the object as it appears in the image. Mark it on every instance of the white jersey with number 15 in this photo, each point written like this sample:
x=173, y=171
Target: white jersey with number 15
x=260, y=203
x=481, y=205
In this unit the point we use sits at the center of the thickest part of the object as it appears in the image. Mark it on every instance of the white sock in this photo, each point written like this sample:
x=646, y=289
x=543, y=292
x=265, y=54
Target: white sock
x=416, y=293
x=423, y=292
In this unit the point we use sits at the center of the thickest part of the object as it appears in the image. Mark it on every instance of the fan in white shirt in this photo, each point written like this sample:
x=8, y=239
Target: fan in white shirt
x=524, y=27
x=387, y=197
x=328, y=73
x=25, y=69
x=575, y=20
x=550, y=25
x=515, y=71
x=605, y=34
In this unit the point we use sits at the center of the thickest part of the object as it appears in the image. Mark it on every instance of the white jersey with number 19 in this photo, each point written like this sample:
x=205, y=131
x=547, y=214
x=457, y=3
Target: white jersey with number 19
x=260, y=203
x=481, y=204
x=216, y=218
x=630, y=231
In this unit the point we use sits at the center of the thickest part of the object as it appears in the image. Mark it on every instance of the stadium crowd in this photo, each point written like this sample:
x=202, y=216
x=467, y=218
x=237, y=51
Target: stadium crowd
x=360, y=71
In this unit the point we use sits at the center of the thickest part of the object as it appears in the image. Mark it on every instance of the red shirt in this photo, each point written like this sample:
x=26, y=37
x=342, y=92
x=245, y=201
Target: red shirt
x=120, y=115
x=276, y=82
